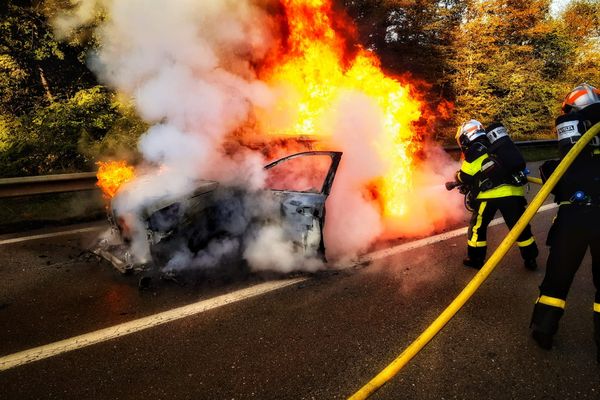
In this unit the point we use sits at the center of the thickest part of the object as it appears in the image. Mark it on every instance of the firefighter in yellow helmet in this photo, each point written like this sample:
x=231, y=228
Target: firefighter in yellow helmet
x=493, y=187
x=577, y=224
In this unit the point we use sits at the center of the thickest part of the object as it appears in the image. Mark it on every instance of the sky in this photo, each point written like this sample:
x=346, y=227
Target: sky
x=557, y=5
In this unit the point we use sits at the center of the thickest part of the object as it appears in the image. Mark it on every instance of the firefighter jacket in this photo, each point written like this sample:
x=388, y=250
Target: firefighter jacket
x=470, y=174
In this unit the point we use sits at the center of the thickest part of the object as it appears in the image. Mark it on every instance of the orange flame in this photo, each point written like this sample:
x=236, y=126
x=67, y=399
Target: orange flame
x=112, y=175
x=317, y=69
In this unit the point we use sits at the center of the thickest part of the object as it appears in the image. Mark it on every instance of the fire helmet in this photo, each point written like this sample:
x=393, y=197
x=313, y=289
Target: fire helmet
x=580, y=97
x=468, y=132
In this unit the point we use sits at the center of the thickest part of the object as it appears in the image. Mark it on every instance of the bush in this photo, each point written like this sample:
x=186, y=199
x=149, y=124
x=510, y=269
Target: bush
x=66, y=136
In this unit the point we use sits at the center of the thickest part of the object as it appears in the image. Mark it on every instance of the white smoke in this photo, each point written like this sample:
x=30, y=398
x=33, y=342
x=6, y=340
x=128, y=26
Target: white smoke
x=432, y=207
x=354, y=222
x=212, y=256
x=270, y=246
x=186, y=153
x=271, y=250
x=82, y=13
x=188, y=66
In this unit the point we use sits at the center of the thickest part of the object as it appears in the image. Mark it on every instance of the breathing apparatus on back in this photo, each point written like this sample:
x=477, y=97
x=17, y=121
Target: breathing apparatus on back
x=511, y=164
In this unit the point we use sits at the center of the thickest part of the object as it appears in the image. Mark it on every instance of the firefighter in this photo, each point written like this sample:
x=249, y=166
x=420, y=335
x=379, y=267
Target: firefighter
x=493, y=189
x=576, y=226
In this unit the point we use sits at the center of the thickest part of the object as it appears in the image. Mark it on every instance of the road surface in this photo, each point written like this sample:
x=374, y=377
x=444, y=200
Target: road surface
x=322, y=336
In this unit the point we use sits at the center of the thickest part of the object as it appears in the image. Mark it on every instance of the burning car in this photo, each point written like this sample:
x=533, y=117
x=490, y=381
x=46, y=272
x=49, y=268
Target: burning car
x=215, y=222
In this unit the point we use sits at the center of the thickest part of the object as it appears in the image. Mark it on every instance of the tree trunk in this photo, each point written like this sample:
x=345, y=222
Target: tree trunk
x=45, y=85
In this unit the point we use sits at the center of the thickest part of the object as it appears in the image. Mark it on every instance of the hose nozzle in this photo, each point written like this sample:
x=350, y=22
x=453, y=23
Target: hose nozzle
x=452, y=185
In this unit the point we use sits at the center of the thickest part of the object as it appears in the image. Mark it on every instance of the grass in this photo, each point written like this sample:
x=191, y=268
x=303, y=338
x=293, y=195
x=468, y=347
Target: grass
x=31, y=212
x=539, y=153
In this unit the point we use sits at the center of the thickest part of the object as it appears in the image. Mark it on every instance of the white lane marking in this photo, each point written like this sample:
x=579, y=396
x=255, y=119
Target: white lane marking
x=88, y=339
x=376, y=255
x=49, y=235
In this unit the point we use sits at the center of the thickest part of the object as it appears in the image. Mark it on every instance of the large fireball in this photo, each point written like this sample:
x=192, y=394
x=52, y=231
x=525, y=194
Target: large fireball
x=316, y=68
x=112, y=175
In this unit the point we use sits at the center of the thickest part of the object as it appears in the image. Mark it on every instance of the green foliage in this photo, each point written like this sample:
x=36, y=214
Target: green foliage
x=414, y=39
x=46, y=140
x=410, y=36
x=35, y=68
x=581, y=21
x=68, y=135
x=54, y=117
x=5, y=124
x=509, y=65
x=506, y=60
x=122, y=137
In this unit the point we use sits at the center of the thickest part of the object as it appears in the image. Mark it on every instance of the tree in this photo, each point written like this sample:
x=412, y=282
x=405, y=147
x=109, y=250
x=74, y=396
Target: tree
x=507, y=65
x=35, y=68
x=409, y=36
x=581, y=20
x=414, y=38
x=54, y=117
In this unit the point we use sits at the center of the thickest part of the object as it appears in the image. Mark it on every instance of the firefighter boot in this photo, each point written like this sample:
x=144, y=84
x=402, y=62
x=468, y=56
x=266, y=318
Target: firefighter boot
x=472, y=262
x=529, y=254
x=543, y=340
x=544, y=324
x=475, y=257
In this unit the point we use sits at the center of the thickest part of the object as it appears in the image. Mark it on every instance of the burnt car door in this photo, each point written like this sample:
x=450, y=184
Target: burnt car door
x=301, y=183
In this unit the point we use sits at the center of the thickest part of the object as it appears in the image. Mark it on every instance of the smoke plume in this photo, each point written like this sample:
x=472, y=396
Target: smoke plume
x=189, y=67
x=353, y=221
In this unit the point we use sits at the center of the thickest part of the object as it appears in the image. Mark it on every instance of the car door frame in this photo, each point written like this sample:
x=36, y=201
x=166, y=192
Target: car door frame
x=324, y=192
x=336, y=156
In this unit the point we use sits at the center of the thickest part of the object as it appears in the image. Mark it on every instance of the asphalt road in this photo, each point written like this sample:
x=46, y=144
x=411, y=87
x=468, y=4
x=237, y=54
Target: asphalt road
x=322, y=338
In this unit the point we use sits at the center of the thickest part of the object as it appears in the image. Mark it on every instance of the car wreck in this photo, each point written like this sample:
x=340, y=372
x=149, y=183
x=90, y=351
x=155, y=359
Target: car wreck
x=296, y=189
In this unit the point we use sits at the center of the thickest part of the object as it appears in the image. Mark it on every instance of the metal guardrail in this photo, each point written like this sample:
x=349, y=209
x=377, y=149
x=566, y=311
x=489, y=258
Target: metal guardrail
x=46, y=184
x=537, y=143
x=32, y=185
x=524, y=143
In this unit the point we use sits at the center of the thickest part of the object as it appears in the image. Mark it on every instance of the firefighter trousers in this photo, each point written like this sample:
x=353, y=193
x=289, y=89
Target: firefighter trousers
x=575, y=228
x=511, y=208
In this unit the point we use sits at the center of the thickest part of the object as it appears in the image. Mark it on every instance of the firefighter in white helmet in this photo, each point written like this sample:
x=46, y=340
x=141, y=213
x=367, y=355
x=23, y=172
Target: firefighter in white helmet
x=494, y=189
x=577, y=224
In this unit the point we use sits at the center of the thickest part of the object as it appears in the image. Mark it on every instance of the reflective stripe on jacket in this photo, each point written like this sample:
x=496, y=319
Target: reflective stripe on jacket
x=472, y=168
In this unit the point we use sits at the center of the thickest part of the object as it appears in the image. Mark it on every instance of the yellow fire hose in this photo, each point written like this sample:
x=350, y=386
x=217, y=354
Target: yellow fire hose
x=391, y=370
